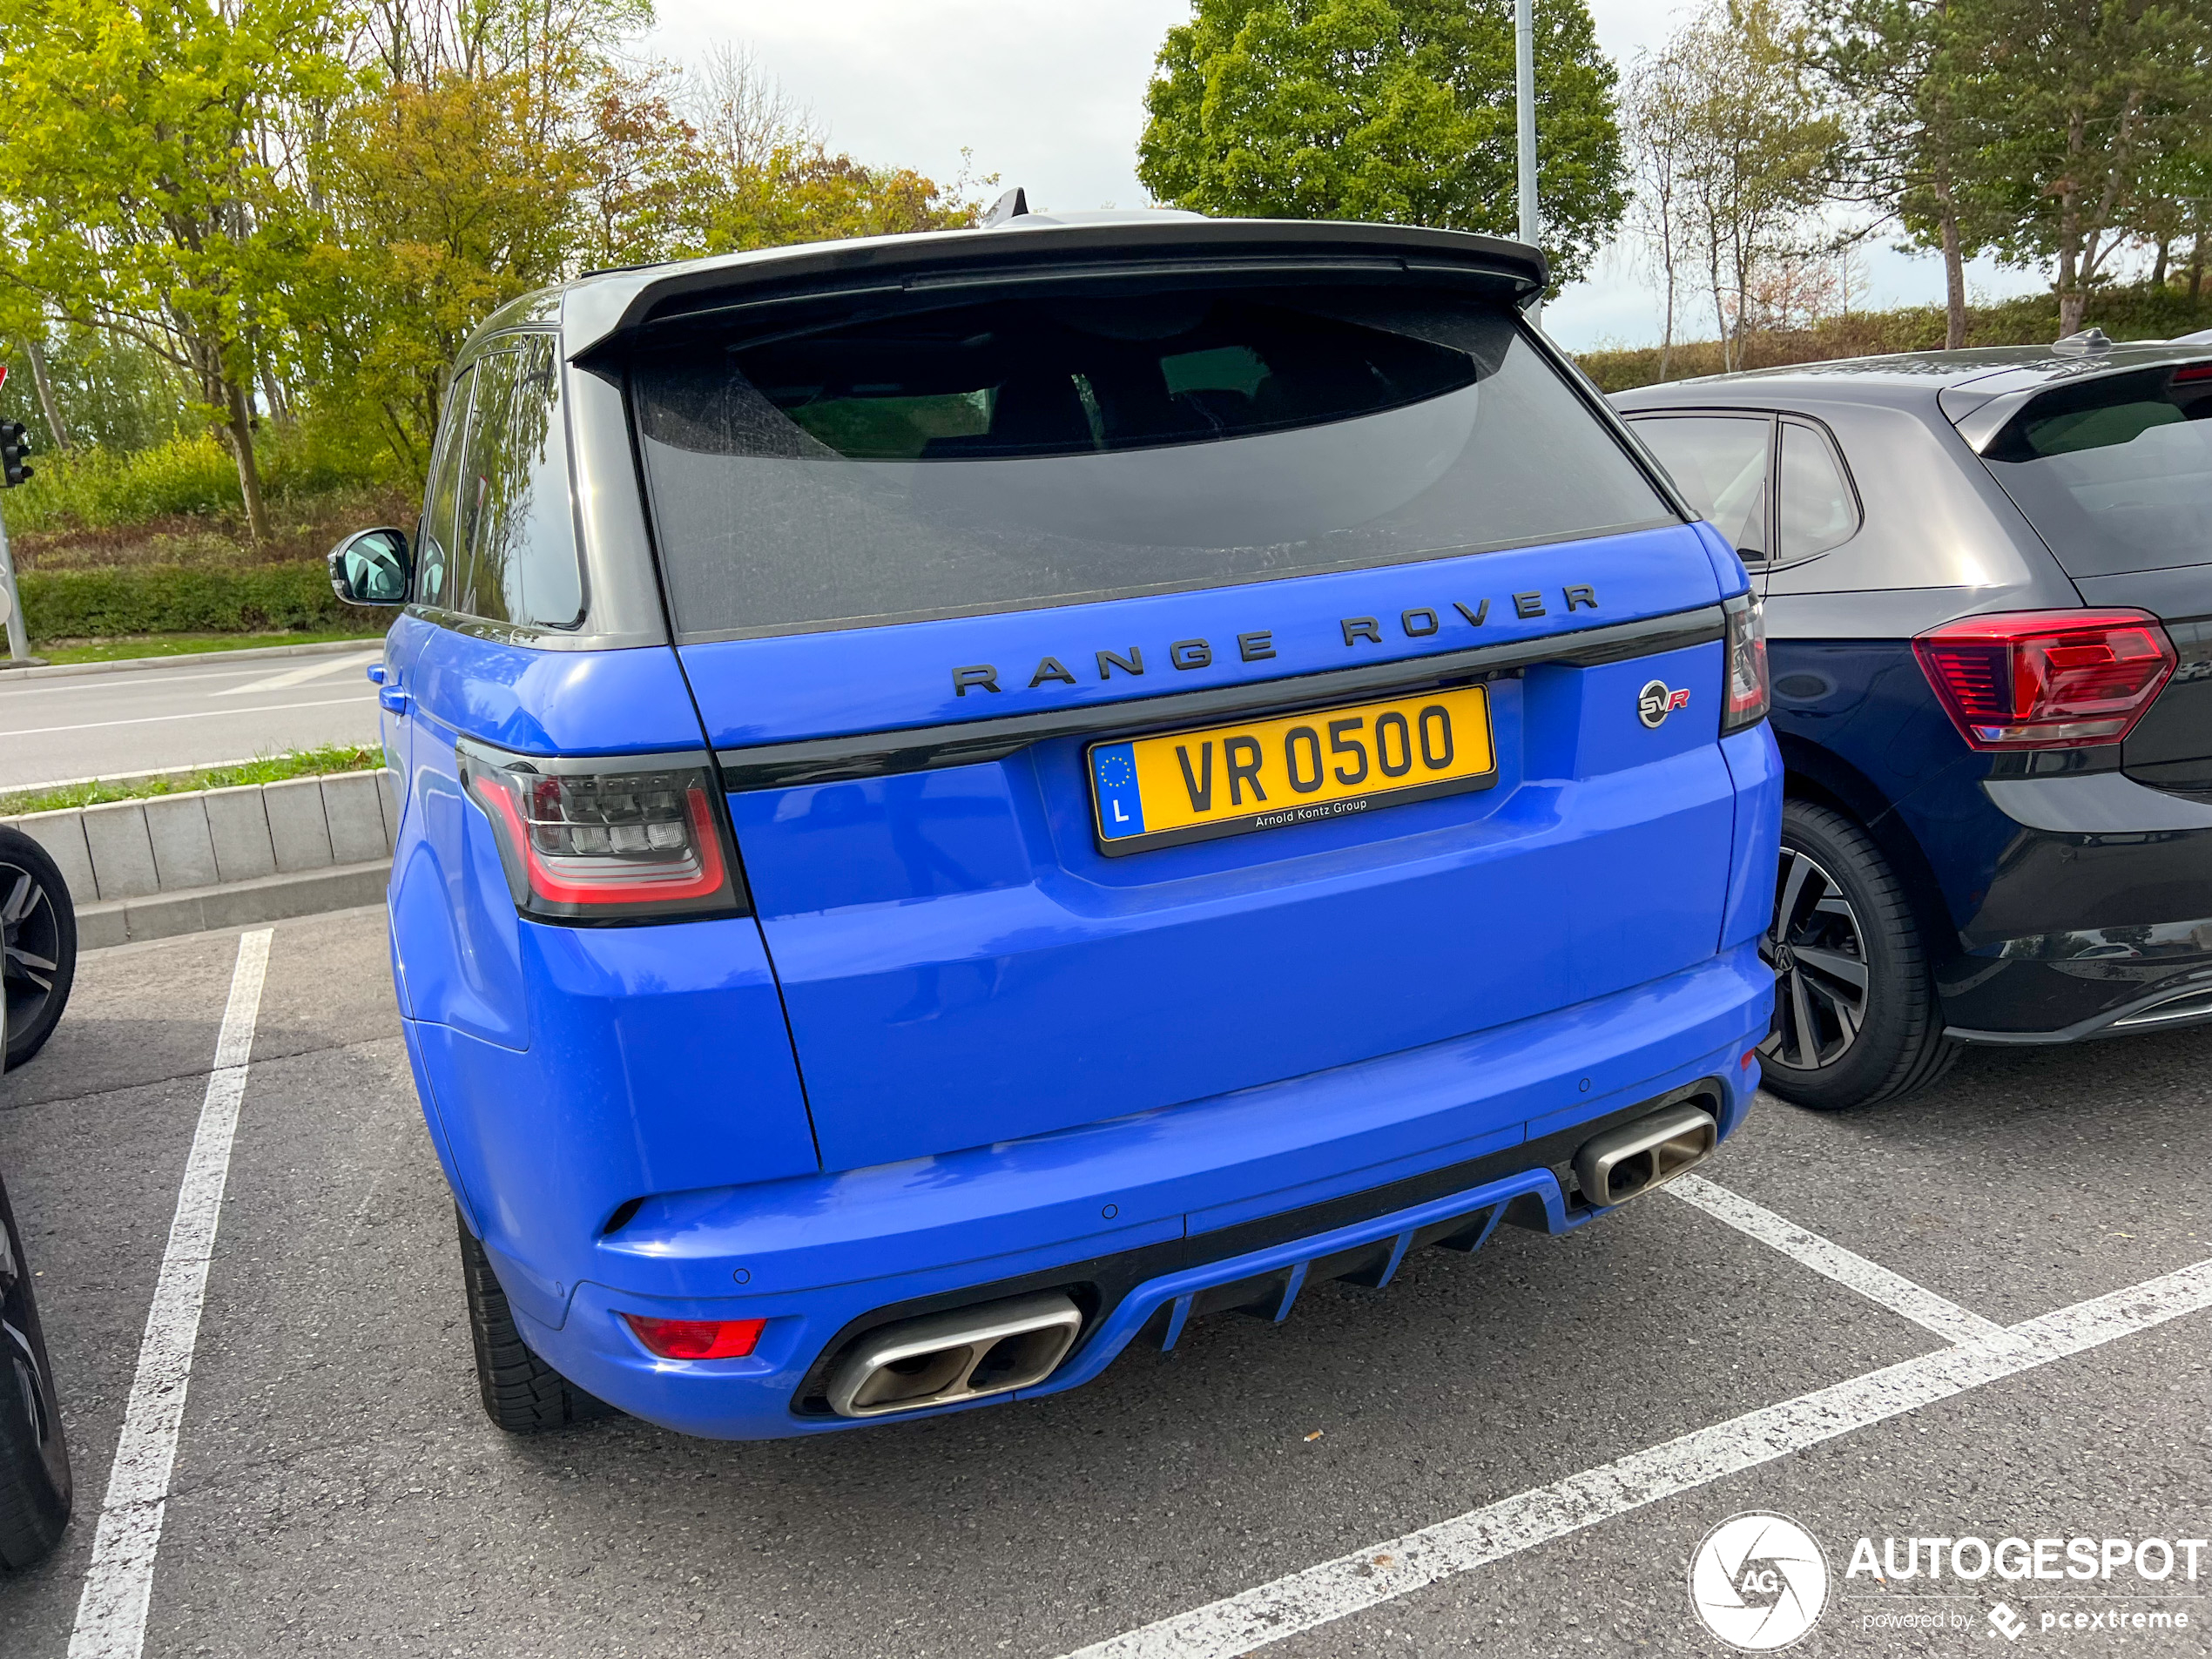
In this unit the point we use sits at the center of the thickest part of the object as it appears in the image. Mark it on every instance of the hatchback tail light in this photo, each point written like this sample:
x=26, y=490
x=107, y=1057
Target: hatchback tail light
x=1746, y=697
x=697, y=1338
x=609, y=840
x=2047, y=679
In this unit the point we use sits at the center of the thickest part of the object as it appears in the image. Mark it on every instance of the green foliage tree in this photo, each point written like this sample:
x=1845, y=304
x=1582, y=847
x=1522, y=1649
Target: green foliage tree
x=1901, y=73
x=153, y=190
x=1392, y=109
x=445, y=200
x=2081, y=102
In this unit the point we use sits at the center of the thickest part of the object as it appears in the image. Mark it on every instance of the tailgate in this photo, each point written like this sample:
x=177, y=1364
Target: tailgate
x=945, y=583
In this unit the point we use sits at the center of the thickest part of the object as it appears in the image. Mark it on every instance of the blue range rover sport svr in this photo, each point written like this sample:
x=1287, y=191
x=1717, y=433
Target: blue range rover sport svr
x=970, y=797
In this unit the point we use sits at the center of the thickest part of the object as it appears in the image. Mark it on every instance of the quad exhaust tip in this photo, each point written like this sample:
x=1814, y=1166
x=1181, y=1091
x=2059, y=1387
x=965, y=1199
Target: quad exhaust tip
x=963, y=1354
x=1624, y=1162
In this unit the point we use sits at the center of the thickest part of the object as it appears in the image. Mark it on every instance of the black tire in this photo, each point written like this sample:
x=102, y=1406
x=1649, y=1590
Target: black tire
x=34, y=1457
x=1856, y=1018
x=521, y=1394
x=38, y=943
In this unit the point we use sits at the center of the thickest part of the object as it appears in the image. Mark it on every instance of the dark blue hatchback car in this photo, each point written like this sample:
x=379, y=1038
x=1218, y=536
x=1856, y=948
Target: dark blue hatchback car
x=1988, y=578
x=972, y=798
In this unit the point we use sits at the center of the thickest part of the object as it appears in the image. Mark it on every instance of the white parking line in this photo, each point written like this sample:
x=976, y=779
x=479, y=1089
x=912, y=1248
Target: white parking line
x=1871, y=1280
x=197, y=714
x=1396, y=1567
x=300, y=676
x=111, y=1614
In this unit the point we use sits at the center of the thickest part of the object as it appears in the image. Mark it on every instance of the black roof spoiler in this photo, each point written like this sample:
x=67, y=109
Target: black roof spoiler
x=598, y=312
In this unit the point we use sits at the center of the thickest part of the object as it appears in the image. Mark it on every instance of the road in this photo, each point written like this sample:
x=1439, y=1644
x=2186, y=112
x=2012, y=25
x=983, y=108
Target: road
x=1817, y=1323
x=198, y=711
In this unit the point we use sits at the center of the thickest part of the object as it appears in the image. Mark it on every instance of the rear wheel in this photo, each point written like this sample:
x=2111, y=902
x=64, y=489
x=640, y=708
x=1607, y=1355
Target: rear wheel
x=1856, y=1016
x=521, y=1392
x=38, y=943
x=34, y=1457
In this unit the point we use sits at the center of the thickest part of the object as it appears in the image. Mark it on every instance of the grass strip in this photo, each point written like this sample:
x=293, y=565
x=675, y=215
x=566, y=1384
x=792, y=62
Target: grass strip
x=264, y=769
x=110, y=650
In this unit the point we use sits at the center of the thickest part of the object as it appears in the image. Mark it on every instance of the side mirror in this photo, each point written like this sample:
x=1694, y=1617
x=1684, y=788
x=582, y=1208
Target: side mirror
x=370, y=568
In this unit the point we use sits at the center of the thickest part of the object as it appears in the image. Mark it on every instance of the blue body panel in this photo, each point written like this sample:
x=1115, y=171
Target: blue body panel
x=957, y=1044
x=822, y=1250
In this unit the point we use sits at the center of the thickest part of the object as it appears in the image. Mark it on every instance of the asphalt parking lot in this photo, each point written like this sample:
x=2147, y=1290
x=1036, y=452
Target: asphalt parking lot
x=1568, y=1417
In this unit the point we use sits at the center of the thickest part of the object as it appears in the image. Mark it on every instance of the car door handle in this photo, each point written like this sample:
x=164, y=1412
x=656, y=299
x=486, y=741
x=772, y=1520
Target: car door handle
x=392, y=699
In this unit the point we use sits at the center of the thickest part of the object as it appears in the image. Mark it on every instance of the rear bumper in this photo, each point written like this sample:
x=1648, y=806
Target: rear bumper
x=2097, y=921
x=1141, y=1210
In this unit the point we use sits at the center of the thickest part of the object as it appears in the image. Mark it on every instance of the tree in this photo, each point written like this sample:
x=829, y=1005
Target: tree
x=1750, y=151
x=1656, y=120
x=2083, y=100
x=1394, y=109
x=153, y=192
x=445, y=200
x=1901, y=73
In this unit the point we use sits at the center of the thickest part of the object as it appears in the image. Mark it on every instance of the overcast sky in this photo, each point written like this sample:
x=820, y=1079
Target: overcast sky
x=1050, y=94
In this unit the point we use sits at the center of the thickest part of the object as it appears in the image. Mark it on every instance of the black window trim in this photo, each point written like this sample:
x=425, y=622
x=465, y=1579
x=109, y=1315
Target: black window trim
x=575, y=635
x=1776, y=419
x=1820, y=429
x=1754, y=562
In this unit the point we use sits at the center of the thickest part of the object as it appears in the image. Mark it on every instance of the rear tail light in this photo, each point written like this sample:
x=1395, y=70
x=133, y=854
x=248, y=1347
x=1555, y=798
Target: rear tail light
x=2047, y=679
x=607, y=840
x=1745, y=701
x=697, y=1338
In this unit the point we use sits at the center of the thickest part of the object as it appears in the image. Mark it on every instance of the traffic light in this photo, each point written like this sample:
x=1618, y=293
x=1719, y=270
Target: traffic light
x=15, y=444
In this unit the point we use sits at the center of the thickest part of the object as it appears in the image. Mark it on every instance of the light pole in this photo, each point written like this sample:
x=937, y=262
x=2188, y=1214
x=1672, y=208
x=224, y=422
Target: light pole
x=18, y=642
x=10, y=601
x=1524, y=99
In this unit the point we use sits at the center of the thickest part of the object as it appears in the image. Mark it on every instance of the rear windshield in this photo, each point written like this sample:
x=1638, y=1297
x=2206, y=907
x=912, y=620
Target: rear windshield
x=2116, y=474
x=1019, y=452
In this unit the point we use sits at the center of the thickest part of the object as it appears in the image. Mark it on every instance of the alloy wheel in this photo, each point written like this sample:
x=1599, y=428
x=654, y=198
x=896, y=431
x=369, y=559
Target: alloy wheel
x=1819, y=959
x=30, y=945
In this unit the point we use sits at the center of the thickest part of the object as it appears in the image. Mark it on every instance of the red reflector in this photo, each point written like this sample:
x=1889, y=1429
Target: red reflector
x=2189, y=372
x=697, y=1338
x=2047, y=679
x=1749, y=1054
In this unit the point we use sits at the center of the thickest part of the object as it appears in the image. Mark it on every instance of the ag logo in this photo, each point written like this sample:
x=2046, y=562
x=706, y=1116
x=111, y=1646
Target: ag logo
x=1758, y=1582
x=1655, y=702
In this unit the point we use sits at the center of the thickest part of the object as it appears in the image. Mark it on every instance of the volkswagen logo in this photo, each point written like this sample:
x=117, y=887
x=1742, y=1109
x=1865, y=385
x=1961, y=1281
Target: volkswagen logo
x=1657, y=701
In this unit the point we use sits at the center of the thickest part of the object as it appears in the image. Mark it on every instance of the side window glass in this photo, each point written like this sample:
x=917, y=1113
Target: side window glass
x=536, y=530
x=1719, y=463
x=1817, y=510
x=433, y=553
x=477, y=592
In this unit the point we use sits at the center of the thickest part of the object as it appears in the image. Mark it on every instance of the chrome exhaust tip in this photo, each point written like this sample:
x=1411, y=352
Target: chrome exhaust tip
x=1626, y=1162
x=962, y=1354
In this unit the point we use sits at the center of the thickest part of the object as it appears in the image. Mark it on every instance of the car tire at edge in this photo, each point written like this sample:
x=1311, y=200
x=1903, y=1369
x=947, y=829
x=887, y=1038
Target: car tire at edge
x=38, y=921
x=521, y=1392
x=1847, y=907
x=34, y=1488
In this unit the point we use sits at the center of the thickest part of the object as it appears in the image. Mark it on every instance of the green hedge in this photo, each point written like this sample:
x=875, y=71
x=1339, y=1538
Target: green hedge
x=167, y=599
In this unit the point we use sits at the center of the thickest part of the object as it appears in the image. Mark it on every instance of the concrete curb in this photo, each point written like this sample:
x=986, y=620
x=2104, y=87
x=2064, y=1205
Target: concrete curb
x=231, y=904
x=132, y=866
x=249, y=654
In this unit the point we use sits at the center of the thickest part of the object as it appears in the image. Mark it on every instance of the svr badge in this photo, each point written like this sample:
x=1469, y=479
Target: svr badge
x=1655, y=702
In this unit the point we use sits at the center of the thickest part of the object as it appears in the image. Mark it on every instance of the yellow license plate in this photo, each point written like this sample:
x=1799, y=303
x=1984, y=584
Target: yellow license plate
x=1299, y=769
